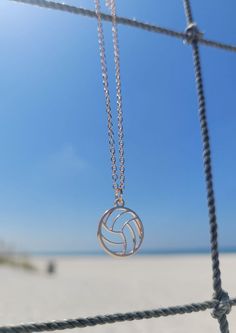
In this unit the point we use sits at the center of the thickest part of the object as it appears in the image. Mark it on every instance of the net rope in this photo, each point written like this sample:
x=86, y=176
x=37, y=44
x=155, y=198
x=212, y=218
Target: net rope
x=125, y=21
x=221, y=303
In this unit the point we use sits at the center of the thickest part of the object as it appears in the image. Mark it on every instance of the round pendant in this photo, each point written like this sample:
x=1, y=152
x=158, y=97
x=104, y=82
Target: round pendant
x=120, y=232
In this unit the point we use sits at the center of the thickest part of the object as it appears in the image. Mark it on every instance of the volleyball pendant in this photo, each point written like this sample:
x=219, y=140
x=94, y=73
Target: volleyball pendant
x=120, y=232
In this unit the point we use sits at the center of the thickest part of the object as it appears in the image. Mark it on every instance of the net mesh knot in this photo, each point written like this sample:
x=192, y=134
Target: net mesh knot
x=192, y=33
x=223, y=305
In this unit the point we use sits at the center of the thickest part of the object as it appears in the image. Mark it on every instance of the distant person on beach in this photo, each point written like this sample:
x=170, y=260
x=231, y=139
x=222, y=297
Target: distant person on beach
x=51, y=267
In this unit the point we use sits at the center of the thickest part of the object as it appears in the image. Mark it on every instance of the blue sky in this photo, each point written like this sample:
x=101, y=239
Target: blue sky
x=55, y=169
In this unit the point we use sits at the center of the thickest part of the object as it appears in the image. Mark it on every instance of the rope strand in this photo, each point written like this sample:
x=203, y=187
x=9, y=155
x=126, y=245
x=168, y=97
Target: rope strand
x=110, y=319
x=219, y=294
x=125, y=21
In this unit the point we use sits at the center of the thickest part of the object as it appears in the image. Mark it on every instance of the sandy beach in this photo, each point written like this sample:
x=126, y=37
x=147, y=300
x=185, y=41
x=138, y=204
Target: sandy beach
x=86, y=286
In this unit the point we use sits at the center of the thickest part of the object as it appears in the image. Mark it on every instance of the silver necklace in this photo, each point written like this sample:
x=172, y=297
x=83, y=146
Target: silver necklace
x=120, y=231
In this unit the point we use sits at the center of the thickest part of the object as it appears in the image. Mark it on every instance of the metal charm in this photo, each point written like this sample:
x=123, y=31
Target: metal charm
x=120, y=232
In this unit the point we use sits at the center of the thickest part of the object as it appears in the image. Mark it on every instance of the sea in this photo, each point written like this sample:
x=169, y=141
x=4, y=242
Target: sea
x=151, y=252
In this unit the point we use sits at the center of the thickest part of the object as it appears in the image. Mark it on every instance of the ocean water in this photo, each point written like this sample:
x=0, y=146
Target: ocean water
x=184, y=251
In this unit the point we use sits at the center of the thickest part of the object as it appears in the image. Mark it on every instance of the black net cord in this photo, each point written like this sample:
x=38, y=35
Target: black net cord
x=123, y=20
x=109, y=319
x=217, y=285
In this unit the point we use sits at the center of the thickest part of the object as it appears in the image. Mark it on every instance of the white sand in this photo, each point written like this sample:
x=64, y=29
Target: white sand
x=90, y=286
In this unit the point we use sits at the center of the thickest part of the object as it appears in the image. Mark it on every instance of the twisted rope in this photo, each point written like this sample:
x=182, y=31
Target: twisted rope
x=222, y=309
x=111, y=319
x=218, y=45
x=125, y=21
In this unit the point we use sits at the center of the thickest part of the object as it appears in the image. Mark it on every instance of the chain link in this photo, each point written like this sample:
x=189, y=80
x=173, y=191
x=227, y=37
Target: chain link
x=118, y=186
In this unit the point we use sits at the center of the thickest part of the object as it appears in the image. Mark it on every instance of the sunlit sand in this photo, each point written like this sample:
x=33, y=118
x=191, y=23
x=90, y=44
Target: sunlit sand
x=87, y=286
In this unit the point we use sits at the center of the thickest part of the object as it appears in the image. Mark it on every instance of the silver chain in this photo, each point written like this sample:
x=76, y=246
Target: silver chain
x=118, y=186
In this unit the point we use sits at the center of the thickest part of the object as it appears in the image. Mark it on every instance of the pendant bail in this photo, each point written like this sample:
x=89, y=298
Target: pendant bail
x=119, y=201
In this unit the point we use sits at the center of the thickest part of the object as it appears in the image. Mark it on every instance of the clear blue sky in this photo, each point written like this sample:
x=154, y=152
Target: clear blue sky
x=55, y=169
